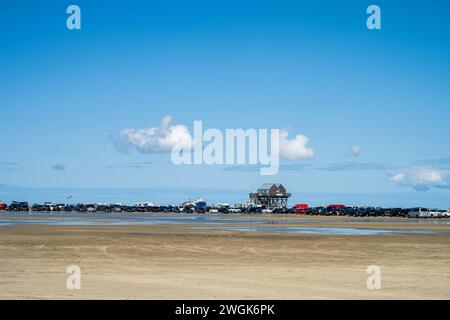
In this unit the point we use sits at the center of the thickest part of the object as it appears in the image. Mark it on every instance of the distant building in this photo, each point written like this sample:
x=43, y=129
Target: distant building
x=270, y=195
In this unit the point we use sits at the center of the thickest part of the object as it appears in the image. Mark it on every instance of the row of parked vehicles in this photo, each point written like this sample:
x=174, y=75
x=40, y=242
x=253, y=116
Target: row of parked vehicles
x=341, y=210
x=200, y=206
x=427, y=213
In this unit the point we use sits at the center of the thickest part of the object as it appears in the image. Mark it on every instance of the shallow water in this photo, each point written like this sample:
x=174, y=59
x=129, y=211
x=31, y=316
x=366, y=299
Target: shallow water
x=121, y=219
x=152, y=218
x=228, y=222
x=328, y=231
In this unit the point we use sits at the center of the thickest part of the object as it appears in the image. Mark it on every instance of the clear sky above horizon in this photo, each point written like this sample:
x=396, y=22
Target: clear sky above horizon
x=375, y=104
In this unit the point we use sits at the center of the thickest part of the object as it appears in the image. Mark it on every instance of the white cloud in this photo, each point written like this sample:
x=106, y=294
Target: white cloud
x=399, y=177
x=356, y=150
x=166, y=136
x=421, y=178
x=158, y=139
x=294, y=149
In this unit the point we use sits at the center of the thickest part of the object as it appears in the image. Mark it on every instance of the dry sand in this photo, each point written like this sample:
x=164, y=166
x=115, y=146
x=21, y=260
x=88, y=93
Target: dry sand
x=176, y=262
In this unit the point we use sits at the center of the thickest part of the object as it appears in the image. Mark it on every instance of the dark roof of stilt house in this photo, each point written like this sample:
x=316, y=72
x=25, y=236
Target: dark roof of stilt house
x=269, y=185
x=272, y=188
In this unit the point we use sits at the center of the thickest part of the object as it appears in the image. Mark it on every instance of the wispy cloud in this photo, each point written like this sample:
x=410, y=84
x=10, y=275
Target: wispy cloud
x=9, y=166
x=9, y=163
x=140, y=165
x=256, y=168
x=133, y=165
x=347, y=166
x=441, y=163
x=59, y=167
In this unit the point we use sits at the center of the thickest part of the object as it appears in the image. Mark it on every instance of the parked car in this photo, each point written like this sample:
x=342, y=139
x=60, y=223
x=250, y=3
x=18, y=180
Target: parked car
x=69, y=208
x=254, y=209
x=200, y=206
x=3, y=206
x=300, y=208
x=91, y=208
x=19, y=206
x=223, y=207
x=439, y=213
x=396, y=212
x=419, y=213
x=38, y=208
x=335, y=209
x=320, y=211
x=280, y=210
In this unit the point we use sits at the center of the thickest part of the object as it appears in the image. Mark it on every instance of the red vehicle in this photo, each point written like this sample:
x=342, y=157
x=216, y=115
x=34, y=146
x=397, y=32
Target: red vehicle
x=2, y=206
x=300, y=208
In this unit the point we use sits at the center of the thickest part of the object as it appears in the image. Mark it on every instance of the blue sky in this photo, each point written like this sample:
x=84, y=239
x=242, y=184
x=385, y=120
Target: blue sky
x=311, y=67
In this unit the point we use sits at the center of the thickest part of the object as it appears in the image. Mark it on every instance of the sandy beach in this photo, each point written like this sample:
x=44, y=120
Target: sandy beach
x=178, y=262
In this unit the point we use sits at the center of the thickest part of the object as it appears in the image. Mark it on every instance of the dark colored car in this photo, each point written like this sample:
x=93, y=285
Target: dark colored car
x=19, y=206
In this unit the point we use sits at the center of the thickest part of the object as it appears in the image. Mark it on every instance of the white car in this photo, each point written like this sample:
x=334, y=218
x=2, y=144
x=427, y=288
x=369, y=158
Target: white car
x=267, y=211
x=419, y=213
x=435, y=213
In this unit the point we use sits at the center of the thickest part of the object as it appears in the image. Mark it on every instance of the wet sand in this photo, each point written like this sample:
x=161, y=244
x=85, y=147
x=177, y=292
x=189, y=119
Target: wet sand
x=177, y=262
